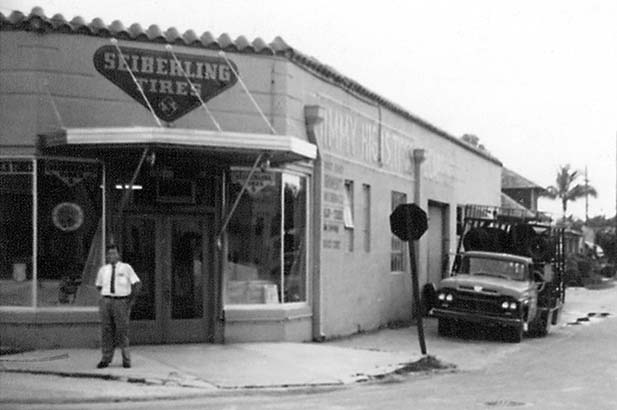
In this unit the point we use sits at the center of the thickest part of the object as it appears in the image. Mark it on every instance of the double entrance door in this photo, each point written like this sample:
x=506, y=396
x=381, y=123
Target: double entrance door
x=172, y=256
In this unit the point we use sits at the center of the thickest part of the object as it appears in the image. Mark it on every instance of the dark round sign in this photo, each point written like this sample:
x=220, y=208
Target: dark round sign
x=408, y=222
x=67, y=216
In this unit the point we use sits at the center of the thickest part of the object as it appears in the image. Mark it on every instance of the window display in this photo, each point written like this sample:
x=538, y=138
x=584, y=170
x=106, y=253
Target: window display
x=16, y=176
x=266, y=239
x=50, y=213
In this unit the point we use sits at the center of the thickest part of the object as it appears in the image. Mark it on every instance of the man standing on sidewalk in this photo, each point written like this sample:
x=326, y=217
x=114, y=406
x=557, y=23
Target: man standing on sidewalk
x=119, y=285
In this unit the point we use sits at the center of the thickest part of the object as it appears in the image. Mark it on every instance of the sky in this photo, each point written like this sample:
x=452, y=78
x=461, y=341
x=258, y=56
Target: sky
x=535, y=80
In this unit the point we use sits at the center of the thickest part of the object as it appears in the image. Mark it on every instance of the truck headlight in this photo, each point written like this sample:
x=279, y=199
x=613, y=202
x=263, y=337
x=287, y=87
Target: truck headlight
x=509, y=305
x=449, y=297
x=441, y=296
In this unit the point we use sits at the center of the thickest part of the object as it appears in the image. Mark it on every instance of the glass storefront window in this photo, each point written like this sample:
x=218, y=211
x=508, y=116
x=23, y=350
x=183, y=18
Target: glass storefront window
x=68, y=217
x=266, y=239
x=50, y=214
x=294, y=239
x=16, y=176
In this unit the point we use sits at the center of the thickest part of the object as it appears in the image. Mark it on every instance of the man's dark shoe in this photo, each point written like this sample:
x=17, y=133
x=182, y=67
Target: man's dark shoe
x=102, y=365
x=126, y=365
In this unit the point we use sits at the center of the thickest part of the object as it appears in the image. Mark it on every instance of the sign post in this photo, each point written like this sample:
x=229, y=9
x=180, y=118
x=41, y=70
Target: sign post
x=409, y=222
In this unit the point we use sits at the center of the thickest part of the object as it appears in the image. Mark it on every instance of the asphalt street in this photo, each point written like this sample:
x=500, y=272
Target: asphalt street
x=573, y=368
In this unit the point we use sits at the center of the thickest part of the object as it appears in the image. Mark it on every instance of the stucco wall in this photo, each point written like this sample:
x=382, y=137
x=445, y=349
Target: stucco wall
x=58, y=69
x=358, y=141
x=366, y=144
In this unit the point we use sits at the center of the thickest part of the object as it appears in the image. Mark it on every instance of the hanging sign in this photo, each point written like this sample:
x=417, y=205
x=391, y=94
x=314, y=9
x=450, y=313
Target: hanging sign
x=258, y=182
x=163, y=79
x=71, y=173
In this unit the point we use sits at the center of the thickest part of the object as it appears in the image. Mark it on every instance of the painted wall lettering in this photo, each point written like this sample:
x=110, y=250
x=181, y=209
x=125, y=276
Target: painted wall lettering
x=357, y=137
x=333, y=201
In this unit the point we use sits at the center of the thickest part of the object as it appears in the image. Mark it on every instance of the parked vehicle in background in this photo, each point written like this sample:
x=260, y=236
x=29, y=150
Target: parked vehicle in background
x=508, y=274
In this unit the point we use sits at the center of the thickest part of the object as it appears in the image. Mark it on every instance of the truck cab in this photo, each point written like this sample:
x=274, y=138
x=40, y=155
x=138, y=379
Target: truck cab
x=504, y=281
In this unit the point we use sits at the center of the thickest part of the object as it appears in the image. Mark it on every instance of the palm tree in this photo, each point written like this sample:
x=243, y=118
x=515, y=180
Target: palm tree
x=566, y=190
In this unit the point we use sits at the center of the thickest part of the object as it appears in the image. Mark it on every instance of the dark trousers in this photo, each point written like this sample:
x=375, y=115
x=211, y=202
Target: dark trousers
x=115, y=314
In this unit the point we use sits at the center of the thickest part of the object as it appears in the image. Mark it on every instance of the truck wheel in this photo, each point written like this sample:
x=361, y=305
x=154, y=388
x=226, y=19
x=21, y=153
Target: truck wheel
x=446, y=327
x=515, y=334
x=541, y=326
x=545, y=328
x=546, y=324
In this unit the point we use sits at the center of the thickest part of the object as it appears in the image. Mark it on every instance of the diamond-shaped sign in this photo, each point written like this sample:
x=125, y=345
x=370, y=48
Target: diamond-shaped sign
x=165, y=81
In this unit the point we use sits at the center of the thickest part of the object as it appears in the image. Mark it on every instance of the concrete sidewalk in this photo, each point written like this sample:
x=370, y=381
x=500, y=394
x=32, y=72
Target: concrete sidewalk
x=211, y=369
x=214, y=367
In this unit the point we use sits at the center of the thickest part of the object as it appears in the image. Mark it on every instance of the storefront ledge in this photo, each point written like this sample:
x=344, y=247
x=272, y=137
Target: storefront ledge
x=48, y=315
x=267, y=313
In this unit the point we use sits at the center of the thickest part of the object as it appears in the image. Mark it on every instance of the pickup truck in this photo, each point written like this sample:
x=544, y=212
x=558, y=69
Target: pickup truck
x=514, y=284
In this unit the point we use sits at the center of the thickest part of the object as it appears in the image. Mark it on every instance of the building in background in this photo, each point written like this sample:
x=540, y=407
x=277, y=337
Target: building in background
x=248, y=184
x=520, y=189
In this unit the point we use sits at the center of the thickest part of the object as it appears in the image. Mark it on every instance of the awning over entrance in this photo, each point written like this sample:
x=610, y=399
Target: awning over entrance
x=281, y=148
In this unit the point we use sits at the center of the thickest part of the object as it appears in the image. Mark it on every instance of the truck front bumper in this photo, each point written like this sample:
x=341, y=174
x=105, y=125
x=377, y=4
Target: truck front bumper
x=476, y=317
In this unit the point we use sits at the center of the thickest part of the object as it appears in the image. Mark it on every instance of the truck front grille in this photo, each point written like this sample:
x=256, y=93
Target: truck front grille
x=475, y=302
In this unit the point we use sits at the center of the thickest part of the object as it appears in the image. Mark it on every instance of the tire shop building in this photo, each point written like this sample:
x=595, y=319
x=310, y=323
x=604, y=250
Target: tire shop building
x=249, y=186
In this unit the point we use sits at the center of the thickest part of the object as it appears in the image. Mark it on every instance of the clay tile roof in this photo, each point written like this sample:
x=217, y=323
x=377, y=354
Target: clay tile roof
x=37, y=12
x=225, y=42
x=98, y=26
x=260, y=46
x=190, y=37
x=136, y=30
x=38, y=21
x=173, y=35
x=154, y=33
x=512, y=180
x=60, y=24
x=242, y=43
x=208, y=40
x=16, y=18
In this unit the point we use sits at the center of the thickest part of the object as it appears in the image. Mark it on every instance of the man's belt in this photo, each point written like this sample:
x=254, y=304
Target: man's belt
x=116, y=297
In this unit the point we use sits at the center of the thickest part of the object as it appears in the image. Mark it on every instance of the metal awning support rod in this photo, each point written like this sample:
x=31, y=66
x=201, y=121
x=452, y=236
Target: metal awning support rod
x=53, y=104
x=203, y=103
x=246, y=90
x=141, y=90
x=129, y=189
x=237, y=201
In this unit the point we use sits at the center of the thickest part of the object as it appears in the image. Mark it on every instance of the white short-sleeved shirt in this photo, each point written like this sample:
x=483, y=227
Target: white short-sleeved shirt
x=124, y=278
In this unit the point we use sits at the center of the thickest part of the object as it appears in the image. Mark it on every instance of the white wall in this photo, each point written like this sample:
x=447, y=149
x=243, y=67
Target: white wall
x=358, y=289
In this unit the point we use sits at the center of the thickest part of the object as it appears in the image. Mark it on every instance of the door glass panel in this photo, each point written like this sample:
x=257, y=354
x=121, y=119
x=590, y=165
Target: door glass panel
x=138, y=250
x=187, y=264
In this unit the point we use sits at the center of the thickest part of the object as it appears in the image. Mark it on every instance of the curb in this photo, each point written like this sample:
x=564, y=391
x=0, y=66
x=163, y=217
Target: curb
x=126, y=379
x=216, y=390
x=197, y=392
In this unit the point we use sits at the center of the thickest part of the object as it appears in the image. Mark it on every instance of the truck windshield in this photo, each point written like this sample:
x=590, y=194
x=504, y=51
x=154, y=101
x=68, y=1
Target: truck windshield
x=494, y=267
